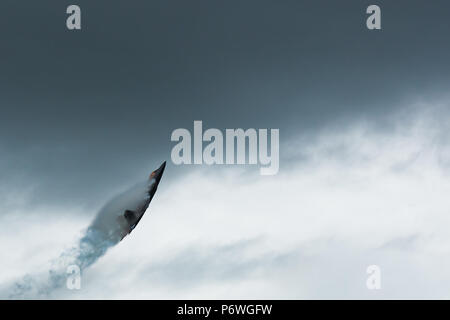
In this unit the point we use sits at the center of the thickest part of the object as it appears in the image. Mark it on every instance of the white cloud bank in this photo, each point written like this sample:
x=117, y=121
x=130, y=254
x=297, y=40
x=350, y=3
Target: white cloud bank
x=346, y=199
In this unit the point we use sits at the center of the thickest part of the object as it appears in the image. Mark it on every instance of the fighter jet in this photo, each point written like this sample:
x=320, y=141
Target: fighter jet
x=134, y=214
x=122, y=214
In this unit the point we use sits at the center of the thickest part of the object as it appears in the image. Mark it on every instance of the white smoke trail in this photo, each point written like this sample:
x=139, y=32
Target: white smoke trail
x=93, y=245
x=103, y=233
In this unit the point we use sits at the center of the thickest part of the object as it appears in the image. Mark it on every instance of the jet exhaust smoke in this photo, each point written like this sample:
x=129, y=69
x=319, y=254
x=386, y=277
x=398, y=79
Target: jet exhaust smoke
x=89, y=248
x=111, y=224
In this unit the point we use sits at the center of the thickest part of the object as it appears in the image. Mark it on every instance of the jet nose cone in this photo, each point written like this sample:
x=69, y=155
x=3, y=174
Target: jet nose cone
x=157, y=174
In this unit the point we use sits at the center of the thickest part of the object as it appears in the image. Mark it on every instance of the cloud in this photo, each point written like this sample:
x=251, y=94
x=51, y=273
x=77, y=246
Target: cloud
x=348, y=197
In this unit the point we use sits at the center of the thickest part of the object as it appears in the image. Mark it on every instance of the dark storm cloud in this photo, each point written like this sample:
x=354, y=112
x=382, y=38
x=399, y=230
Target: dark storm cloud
x=86, y=111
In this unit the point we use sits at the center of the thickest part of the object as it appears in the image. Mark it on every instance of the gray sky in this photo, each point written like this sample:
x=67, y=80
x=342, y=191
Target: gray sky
x=85, y=114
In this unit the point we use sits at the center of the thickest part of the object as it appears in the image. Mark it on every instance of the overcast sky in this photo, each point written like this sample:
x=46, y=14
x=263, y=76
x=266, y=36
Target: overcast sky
x=363, y=144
